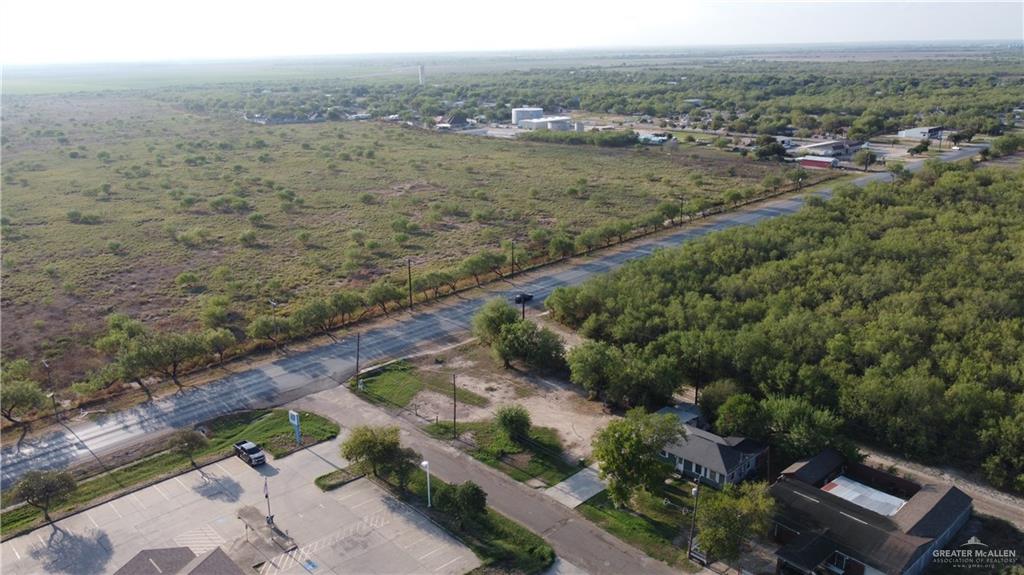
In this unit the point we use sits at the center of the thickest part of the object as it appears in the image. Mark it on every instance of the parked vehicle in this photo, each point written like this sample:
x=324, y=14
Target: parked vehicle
x=523, y=297
x=250, y=453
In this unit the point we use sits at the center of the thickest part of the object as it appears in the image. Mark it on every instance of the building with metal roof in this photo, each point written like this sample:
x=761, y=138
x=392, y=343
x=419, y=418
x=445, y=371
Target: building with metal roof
x=849, y=518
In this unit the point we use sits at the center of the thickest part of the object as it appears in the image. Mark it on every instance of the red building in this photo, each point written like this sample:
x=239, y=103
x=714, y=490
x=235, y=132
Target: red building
x=818, y=163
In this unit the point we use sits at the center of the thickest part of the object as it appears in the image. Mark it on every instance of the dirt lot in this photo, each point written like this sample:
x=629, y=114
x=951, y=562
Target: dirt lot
x=552, y=402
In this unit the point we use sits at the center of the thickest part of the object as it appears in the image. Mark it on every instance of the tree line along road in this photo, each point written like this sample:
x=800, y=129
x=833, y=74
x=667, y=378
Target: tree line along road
x=306, y=372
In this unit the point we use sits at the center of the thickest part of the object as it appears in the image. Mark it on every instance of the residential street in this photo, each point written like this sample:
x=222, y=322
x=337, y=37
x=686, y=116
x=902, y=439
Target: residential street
x=574, y=539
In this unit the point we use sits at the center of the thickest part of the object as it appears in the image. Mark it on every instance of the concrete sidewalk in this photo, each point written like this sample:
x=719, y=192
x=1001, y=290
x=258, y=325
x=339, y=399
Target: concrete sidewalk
x=576, y=489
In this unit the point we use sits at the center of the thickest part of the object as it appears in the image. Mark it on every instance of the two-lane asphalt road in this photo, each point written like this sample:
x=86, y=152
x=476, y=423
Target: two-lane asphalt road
x=302, y=373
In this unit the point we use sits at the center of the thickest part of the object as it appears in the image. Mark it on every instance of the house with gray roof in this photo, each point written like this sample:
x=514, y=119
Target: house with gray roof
x=709, y=458
x=838, y=516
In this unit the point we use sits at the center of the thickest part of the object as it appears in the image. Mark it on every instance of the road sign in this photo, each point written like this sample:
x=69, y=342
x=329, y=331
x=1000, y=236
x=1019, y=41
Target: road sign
x=293, y=418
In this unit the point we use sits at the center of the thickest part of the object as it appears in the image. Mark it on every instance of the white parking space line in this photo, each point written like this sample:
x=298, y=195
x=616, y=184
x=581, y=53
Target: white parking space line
x=94, y=524
x=357, y=505
x=16, y=554
x=416, y=542
x=436, y=549
x=352, y=494
x=161, y=492
x=180, y=483
x=447, y=564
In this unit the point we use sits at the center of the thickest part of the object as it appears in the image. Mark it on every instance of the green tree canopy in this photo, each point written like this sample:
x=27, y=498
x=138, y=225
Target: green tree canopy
x=41, y=489
x=629, y=449
x=494, y=315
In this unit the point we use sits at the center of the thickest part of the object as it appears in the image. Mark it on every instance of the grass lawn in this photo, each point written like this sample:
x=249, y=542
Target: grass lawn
x=651, y=525
x=541, y=457
x=399, y=382
x=335, y=479
x=269, y=429
x=503, y=545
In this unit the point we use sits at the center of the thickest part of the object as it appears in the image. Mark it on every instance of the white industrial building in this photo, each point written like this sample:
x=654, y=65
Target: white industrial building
x=522, y=114
x=923, y=132
x=553, y=123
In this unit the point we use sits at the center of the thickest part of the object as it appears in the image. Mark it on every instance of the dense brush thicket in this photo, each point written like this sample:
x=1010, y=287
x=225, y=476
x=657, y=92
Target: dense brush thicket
x=899, y=308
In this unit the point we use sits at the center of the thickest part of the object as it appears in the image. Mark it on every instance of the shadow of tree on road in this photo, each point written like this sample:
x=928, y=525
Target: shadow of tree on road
x=67, y=552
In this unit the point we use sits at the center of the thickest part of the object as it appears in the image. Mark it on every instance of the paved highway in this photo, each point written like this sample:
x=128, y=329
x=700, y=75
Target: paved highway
x=306, y=372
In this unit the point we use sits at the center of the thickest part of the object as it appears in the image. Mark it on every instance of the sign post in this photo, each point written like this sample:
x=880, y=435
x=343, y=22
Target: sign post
x=293, y=418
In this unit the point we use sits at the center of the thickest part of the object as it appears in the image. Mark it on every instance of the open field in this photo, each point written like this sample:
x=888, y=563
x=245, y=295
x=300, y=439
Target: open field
x=109, y=198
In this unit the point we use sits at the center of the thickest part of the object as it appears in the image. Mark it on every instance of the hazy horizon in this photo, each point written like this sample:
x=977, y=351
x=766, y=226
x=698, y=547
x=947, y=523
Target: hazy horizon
x=116, y=31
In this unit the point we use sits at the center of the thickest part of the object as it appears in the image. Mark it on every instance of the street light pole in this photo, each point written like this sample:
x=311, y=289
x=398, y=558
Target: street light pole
x=455, y=405
x=266, y=495
x=426, y=467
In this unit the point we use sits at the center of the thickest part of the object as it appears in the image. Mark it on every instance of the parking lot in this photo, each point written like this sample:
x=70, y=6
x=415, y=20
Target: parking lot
x=357, y=528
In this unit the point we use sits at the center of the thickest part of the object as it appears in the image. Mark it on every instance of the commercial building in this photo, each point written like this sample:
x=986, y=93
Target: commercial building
x=553, y=123
x=521, y=114
x=709, y=458
x=832, y=148
x=921, y=133
x=837, y=516
x=818, y=162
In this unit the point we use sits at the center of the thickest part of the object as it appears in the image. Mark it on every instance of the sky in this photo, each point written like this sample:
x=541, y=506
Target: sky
x=79, y=31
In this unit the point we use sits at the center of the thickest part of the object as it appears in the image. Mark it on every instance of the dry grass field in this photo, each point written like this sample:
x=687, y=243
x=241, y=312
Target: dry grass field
x=109, y=197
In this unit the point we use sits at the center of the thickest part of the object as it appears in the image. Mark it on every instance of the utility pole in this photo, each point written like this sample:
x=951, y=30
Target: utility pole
x=693, y=518
x=408, y=267
x=524, y=307
x=357, y=360
x=455, y=404
x=513, y=259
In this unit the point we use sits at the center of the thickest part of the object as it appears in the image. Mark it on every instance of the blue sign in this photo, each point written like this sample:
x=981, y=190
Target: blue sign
x=293, y=418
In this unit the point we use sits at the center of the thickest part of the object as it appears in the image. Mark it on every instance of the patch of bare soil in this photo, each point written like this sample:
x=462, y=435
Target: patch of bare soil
x=552, y=401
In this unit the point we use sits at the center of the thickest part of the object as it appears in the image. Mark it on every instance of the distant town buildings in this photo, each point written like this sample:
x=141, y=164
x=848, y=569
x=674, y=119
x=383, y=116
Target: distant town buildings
x=922, y=133
x=818, y=162
x=553, y=123
x=831, y=148
x=522, y=114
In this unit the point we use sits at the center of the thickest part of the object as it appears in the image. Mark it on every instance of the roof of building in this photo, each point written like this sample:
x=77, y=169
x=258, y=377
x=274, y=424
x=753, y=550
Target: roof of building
x=932, y=510
x=180, y=560
x=687, y=413
x=815, y=470
x=717, y=453
x=157, y=561
x=827, y=521
x=215, y=562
